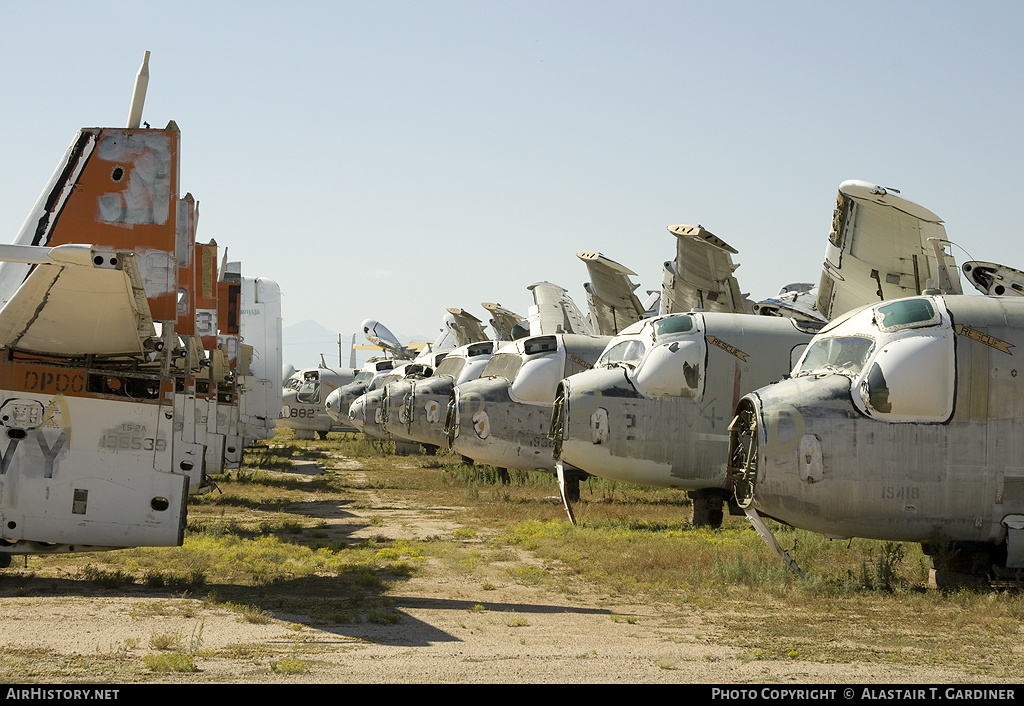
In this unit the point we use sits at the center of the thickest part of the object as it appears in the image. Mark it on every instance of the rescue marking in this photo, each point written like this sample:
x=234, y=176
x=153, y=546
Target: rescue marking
x=980, y=337
x=728, y=348
x=579, y=361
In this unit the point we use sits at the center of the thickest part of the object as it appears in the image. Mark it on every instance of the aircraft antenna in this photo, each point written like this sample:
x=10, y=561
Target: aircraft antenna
x=139, y=95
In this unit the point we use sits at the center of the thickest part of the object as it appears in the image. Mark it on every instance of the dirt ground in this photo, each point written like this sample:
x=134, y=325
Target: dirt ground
x=454, y=628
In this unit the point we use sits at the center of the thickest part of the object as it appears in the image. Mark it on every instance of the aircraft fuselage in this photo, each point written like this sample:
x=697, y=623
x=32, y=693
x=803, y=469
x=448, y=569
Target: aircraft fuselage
x=658, y=414
x=904, y=421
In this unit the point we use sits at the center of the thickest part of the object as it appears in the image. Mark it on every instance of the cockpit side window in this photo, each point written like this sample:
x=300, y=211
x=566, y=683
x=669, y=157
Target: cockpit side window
x=309, y=393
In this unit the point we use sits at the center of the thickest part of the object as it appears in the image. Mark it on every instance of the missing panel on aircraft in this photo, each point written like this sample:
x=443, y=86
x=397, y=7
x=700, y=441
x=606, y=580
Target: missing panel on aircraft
x=81, y=500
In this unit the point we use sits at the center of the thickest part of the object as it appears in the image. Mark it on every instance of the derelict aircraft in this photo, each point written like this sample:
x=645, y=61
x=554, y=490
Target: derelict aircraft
x=415, y=409
x=336, y=404
x=303, y=397
x=360, y=405
x=902, y=421
x=397, y=406
x=656, y=408
x=113, y=374
x=417, y=412
x=238, y=390
x=502, y=418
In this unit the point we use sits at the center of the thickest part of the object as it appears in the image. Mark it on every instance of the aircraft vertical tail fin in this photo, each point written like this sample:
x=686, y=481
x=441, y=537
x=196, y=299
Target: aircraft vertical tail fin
x=610, y=294
x=701, y=276
x=882, y=247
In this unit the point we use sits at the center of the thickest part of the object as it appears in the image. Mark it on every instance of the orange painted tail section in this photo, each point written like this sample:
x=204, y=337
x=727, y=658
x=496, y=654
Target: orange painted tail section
x=118, y=189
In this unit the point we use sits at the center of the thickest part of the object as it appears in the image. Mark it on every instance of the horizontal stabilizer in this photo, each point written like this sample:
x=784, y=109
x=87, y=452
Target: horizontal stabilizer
x=77, y=301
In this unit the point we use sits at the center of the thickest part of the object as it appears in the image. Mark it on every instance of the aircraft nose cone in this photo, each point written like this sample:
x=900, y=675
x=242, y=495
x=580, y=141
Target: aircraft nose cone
x=332, y=405
x=356, y=412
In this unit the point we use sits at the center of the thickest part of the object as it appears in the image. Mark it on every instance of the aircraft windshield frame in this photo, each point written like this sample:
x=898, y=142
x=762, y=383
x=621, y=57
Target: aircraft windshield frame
x=674, y=326
x=628, y=352
x=842, y=354
x=907, y=313
x=451, y=366
x=309, y=392
x=503, y=364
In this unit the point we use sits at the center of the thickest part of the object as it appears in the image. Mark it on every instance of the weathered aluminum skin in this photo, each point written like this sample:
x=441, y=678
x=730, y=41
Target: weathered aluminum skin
x=416, y=409
x=304, y=398
x=505, y=423
x=96, y=434
x=938, y=456
x=663, y=421
x=366, y=412
x=87, y=473
x=370, y=377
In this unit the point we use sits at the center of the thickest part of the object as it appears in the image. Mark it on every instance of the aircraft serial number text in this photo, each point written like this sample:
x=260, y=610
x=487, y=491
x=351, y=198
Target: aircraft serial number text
x=132, y=442
x=901, y=492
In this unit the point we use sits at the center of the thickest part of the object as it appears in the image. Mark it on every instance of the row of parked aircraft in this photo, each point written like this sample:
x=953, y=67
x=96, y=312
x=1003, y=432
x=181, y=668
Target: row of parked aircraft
x=879, y=403
x=135, y=360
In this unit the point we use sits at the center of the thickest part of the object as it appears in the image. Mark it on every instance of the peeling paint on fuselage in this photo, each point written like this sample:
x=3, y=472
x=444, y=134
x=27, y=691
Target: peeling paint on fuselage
x=883, y=474
x=417, y=409
x=506, y=423
x=665, y=424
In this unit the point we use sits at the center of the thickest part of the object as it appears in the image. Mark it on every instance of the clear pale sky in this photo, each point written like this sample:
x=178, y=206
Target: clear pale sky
x=388, y=159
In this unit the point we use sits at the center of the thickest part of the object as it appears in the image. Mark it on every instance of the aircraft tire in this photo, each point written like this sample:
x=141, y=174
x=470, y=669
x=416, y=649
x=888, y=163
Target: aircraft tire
x=962, y=566
x=945, y=580
x=708, y=508
x=5, y=561
x=572, y=489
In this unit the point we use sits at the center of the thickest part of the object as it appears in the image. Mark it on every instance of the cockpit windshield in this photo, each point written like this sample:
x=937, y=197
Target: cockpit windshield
x=625, y=352
x=836, y=354
x=450, y=366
